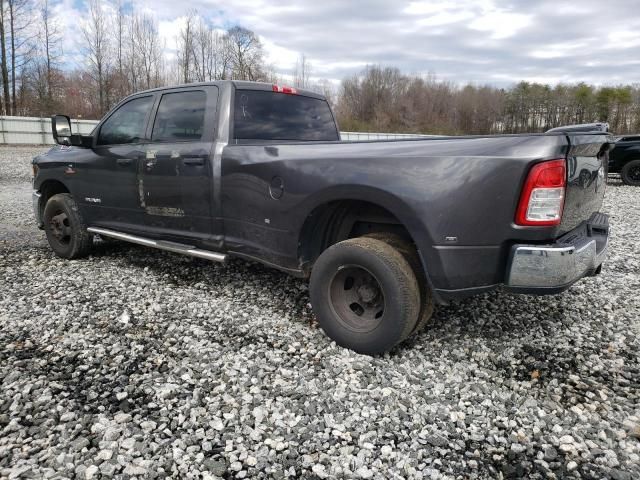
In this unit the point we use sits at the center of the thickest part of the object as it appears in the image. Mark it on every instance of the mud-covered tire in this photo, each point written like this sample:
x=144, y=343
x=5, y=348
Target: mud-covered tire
x=630, y=173
x=427, y=305
x=64, y=227
x=365, y=295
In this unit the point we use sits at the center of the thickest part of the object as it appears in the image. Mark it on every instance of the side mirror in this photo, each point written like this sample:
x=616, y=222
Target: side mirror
x=61, y=129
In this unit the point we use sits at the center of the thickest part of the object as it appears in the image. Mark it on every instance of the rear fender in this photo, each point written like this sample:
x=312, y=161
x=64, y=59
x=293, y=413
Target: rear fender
x=392, y=203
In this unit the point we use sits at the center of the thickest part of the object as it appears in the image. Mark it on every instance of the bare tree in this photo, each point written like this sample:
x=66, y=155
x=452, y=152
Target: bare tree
x=186, y=47
x=302, y=72
x=49, y=52
x=221, y=58
x=326, y=88
x=130, y=57
x=118, y=79
x=203, y=51
x=210, y=53
x=96, y=36
x=6, y=97
x=121, y=19
x=22, y=47
x=247, y=54
x=270, y=74
x=146, y=50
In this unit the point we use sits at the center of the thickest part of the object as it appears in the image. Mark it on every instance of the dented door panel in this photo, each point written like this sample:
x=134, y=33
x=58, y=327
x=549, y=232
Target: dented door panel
x=175, y=185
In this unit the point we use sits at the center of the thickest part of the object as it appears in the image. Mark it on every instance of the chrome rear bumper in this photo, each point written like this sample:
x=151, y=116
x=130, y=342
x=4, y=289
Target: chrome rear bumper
x=554, y=268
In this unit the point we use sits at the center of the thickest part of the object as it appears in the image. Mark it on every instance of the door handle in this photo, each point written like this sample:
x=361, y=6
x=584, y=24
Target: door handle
x=193, y=161
x=124, y=161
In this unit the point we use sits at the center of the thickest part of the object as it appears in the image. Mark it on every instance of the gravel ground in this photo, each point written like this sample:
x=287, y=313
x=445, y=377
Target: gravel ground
x=136, y=363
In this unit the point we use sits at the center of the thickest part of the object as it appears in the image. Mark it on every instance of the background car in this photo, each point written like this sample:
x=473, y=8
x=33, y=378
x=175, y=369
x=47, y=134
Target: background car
x=625, y=159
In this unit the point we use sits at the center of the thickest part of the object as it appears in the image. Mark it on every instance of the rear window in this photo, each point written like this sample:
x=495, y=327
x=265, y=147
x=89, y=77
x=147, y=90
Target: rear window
x=262, y=115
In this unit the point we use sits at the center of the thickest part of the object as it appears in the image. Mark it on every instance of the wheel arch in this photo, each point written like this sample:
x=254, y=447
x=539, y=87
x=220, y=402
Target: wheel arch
x=47, y=189
x=348, y=211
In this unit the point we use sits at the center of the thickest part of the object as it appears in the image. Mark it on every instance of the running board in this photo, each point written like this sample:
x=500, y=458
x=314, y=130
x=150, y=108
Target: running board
x=161, y=244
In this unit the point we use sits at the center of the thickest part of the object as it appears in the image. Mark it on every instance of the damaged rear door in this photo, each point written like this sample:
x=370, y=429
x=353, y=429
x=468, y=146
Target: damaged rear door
x=175, y=177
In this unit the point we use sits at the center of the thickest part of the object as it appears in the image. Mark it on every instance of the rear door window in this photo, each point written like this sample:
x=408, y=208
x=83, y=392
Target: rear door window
x=127, y=123
x=180, y=117
x=264, y=115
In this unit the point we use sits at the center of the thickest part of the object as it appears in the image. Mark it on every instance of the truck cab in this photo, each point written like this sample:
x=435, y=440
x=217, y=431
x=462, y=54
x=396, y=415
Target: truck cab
x=152, y=162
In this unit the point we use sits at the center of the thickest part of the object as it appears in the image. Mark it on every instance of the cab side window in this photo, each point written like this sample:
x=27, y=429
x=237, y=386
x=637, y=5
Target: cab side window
x=127, y=123
x=180, y=117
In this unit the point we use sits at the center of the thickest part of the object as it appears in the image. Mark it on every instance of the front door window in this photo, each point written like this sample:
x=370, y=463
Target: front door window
x=127, y=123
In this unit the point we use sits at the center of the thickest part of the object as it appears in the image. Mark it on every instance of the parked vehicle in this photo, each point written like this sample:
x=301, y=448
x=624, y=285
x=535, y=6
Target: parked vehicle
x=625, y=159
x=384, y=229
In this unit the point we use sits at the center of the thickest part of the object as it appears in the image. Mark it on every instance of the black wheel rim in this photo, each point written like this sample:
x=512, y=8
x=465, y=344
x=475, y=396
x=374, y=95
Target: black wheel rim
x=357, y=298
x=634, y=173
x=60, y=228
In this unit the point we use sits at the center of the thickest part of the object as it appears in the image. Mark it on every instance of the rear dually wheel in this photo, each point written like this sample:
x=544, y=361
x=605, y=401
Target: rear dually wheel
x=365, y=295
x=408, y=250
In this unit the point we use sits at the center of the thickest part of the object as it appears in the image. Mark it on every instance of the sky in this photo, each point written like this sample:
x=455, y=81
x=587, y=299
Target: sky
x=478, y=41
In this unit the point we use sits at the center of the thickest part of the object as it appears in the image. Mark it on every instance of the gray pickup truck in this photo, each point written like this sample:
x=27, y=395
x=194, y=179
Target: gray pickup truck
x=384, y=229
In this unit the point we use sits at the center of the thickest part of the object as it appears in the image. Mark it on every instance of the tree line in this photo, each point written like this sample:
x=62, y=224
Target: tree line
x=122, y=52
x=383, y=99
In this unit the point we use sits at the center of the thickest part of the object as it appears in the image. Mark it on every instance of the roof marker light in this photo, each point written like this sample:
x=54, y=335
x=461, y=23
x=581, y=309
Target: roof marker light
x=282, y=89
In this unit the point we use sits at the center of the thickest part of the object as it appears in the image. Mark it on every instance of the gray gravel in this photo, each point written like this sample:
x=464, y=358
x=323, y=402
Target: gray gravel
x=136, y=363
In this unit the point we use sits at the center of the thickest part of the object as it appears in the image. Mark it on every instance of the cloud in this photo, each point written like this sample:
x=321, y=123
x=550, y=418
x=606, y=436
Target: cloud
x=499, y=25
x=479, y=41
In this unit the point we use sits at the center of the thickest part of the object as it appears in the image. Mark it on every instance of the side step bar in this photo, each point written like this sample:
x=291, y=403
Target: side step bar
x=161, y=244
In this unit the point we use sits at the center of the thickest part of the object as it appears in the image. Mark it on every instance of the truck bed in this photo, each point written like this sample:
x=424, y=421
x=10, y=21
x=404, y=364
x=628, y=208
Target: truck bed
x=465, y=188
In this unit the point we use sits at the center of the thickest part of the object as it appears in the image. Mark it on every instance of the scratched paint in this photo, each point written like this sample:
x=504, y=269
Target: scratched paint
x=165, y=211
x=141, y=193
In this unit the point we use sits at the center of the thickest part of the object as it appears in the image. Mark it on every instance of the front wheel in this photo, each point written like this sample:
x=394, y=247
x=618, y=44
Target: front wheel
x=631, y=173
x=365, y=295
x=65, y=230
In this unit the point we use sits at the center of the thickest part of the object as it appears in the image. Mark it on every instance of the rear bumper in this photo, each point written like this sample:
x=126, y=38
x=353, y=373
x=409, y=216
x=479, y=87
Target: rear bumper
x=548, y=269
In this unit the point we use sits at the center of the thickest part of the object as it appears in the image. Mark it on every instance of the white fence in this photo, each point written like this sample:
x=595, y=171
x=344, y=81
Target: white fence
x=37, y=131
x=351, y=136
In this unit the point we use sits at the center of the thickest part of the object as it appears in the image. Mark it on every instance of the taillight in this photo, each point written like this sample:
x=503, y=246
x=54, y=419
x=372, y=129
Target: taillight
x=281, y=89
x=542, y=197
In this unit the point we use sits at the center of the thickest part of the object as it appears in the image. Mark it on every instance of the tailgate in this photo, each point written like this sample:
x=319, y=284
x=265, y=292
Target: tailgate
x=587, y=161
